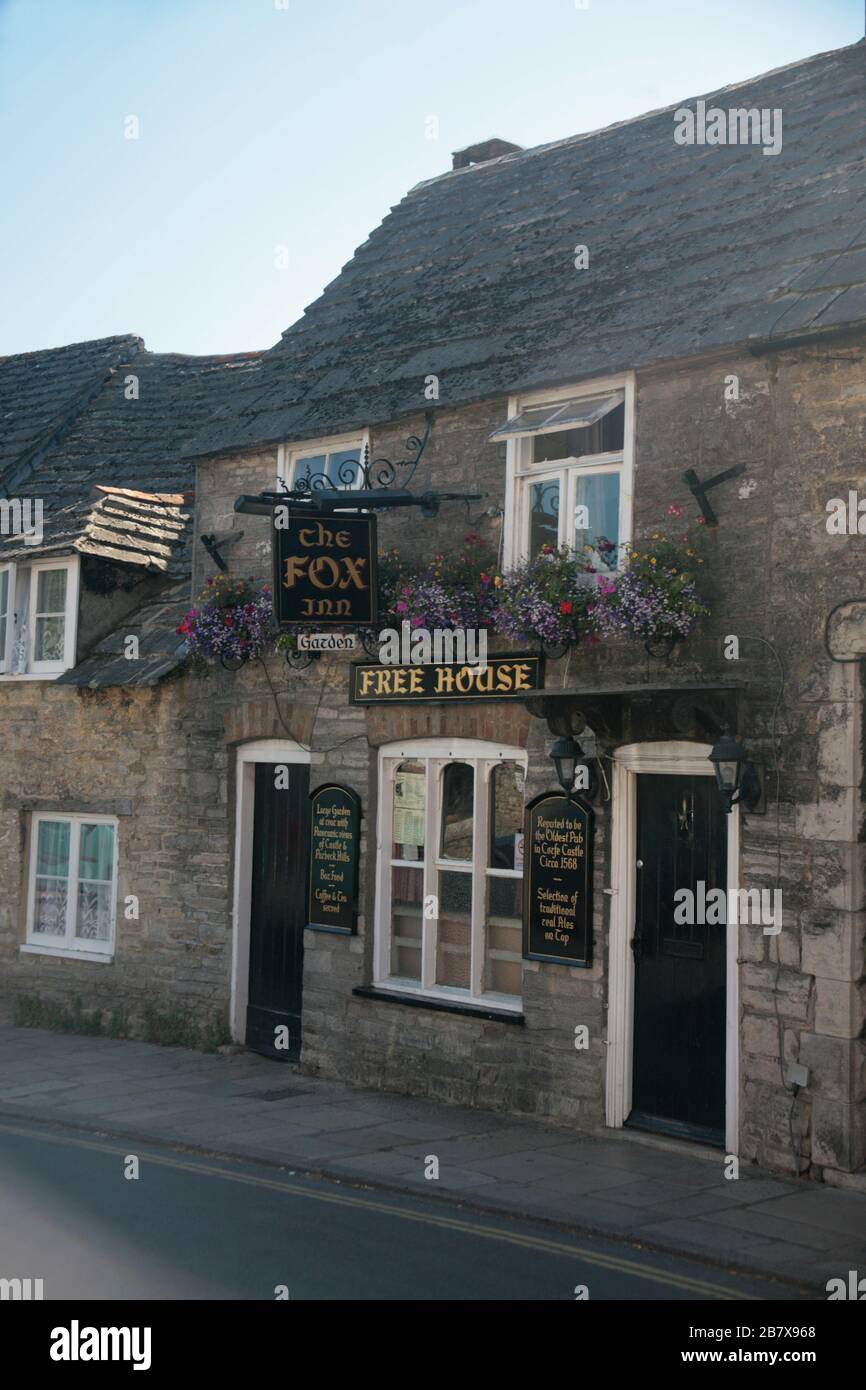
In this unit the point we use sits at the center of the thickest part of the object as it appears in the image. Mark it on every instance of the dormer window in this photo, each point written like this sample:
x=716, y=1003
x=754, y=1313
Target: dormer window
x=569, y=463
x=38, y=612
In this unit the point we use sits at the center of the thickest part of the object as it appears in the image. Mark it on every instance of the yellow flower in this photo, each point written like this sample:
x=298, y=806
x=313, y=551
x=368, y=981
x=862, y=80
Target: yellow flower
x=497, y=583
x=674, y=571
x=690, y=552
x=652, y=559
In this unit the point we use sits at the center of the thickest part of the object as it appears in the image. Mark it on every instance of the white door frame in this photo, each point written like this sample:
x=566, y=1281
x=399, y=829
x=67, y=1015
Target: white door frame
x=270, y=750
x=672, y=758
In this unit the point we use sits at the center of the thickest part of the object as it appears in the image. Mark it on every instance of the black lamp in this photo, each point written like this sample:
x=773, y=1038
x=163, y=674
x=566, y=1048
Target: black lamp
x=736, y=777
x=567, y=756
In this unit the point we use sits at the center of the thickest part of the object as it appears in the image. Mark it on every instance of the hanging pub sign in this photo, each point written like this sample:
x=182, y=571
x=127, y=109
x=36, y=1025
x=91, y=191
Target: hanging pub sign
x=557, y=880
x=324, y=568
x=496, y=678
x=335, y=827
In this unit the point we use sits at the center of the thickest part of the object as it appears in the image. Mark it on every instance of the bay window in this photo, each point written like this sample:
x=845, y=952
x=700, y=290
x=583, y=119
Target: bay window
x=72, y=885
x=569, y=464
x=449, y=897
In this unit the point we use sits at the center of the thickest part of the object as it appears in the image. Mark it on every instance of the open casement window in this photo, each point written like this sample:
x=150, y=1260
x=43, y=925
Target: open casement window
x=38, y=617
x=569, y=475
x=73, y=885
x=451, y=872
x=338, y=459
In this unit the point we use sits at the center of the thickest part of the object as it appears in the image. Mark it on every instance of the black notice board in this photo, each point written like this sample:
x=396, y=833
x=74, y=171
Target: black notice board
x=557, y=880
x=335, y=828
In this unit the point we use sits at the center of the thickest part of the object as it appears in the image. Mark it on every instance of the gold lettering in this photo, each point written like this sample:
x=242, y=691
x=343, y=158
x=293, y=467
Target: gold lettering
x=320, y=562
x=295, y=566
x=503, y=678
x=416, y=679
x=444, y=679
x=522, y=676
x=353, y=568
x=343, y=539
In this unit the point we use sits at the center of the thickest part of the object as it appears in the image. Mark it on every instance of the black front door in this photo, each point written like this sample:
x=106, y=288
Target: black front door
x=277, y=907
x=679, y=1007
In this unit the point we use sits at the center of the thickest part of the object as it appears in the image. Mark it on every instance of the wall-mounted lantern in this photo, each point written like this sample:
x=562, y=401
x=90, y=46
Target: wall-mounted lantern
x=568, y=757
x=736, y=776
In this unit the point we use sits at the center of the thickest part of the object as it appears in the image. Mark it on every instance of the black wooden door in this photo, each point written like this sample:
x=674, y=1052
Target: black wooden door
x=679, y=1009
x=277, y=906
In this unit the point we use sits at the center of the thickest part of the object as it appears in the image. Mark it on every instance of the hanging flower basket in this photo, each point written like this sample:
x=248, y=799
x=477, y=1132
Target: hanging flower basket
x=231, y=623
x=547, y=600
x=654, y=598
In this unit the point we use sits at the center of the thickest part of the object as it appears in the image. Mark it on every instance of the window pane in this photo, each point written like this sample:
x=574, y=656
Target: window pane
x=52, y=872
x=606, y=436
x=503, y=972
x=458, y=808
x=52, y=852
x=49, y=912
x=51, y=591
x=93, y=918
x=506, y=816
x=454, y=929
x=410, y=800
x=308, y=467
x=543, y=516
x=407, y=885
x=96, y=853
x=598, y=494
x=344, y=467
x=49, y=639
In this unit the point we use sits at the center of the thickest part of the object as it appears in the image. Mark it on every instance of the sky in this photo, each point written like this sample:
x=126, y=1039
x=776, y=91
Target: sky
x=274, y=135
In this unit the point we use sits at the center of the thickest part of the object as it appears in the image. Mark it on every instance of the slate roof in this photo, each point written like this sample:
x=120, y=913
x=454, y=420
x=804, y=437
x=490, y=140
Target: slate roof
x=112, y=438
x=692, y=248
x=160, y=648
x=152, y=530
x=42, y=392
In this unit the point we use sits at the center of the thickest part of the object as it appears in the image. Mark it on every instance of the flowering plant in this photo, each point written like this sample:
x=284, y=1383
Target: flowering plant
x=231, y=622
x=654, y=596
x=549, y=597
x=454, y=591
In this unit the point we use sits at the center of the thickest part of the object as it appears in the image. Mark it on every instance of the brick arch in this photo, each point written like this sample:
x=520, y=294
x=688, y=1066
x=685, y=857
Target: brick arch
x=255, y=719
x=500, y=723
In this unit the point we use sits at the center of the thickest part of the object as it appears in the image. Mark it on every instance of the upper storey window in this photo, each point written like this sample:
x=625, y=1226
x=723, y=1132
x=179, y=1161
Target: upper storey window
x=569, y=460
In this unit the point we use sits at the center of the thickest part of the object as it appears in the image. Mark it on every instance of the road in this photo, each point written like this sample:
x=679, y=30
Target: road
x=193, y=1227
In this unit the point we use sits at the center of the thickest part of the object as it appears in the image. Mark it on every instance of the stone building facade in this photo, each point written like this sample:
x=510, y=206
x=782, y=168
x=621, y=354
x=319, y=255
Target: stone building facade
x=175, y=761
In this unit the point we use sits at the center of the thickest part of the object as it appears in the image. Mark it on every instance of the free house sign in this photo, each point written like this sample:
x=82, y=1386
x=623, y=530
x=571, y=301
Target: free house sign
x=557, y=880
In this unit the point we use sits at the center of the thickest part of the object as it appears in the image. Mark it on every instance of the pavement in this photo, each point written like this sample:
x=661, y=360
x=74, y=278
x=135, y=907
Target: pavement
x=668, y=1197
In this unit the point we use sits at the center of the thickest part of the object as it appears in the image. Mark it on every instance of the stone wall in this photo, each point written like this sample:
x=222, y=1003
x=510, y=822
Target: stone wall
x=772, y=576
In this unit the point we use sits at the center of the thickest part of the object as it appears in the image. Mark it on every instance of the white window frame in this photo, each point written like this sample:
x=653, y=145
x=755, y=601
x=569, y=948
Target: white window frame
x=438, y=753
x=521, y=472
x=69, y=945
x=26, y=574
x=6, y=646
x=289, y=456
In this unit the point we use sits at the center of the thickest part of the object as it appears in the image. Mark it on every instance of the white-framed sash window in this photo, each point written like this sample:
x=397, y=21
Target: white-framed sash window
x=72, y=887
x=569, y=466
x=450, y=871
x=38, y=618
